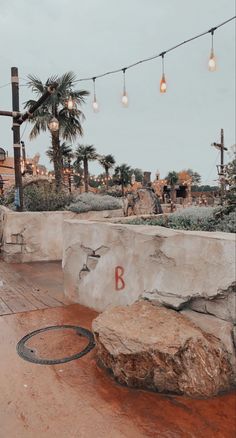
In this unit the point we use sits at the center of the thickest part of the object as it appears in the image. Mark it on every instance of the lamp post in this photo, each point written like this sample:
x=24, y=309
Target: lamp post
x=2, y=155
x=18, y=119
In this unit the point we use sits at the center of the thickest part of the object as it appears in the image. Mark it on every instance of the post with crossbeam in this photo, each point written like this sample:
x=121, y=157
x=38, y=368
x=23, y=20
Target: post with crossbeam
x=16, y=139
x=222, y=177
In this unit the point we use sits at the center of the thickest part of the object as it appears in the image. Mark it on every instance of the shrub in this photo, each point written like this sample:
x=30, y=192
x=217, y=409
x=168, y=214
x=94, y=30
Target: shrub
x=90, y=201
x=194, y=219
x=44, y=197
x=8, y=198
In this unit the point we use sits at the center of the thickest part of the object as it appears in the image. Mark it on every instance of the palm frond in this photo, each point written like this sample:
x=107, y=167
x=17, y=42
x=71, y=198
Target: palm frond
x=35, y=84
x=40, y=124
x=86, y=152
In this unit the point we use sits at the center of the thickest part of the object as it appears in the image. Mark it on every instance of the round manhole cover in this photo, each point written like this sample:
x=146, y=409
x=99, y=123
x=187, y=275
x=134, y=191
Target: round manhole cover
x=55, y=344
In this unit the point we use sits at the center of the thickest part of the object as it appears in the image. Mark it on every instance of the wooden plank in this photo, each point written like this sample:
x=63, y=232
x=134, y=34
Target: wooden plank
x=4, y=309
x=16, y=302
x=20, y=293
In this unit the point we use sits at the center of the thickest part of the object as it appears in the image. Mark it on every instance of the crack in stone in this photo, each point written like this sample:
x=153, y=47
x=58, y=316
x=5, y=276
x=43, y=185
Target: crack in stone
x=92, y=258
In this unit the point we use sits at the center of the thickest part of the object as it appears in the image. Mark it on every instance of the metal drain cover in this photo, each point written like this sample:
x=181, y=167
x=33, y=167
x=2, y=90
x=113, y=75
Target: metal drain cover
x=40, y=345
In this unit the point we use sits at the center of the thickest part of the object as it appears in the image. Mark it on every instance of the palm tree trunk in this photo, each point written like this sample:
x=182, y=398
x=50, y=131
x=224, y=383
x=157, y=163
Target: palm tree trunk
x=86, y=175
x=172, y=193
x=123, y=187
x=107, y=177
x=57, y=161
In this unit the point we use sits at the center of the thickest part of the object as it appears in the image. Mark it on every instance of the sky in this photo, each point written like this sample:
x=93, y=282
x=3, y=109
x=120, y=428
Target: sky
x=171, y=131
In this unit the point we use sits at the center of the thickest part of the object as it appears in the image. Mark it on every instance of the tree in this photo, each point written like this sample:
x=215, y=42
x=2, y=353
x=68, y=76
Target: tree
x=196, y=178
x=107, y=162
x=66, y=153
x=123, y=175
x=138, y=174
x=172, y=179
x=55, y=106
x=85, y=154
x=230, y=194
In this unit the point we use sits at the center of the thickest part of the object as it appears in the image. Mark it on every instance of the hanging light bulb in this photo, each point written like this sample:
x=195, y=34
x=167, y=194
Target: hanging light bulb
x=53, y=124
x=95, y=103
x=124, y=99
x=163, y=85
x=70, y=103
x=212, y=59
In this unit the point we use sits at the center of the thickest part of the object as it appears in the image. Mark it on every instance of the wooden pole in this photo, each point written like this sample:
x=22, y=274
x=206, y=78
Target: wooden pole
x=16, y=139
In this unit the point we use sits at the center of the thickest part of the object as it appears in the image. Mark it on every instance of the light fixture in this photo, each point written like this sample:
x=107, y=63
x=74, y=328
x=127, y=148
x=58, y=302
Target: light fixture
x=212, y=59
x=163, y=85
x=95, y=103
x=2, y=155
x=70, y=103
x=124, y=99
x=53, y=125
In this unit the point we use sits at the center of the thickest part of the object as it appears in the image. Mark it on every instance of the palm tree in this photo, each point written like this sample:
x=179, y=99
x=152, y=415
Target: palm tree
x=172, y=179
x=56, y=106
x=86, y=153
x=107, y=162
x=66, y=153
x=123, y=174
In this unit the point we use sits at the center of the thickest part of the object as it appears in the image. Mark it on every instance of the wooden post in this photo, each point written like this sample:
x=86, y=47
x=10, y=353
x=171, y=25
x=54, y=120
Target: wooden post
x=16, y=139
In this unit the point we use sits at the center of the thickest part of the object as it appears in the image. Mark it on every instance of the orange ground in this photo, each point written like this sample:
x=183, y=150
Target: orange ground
x=79, y=400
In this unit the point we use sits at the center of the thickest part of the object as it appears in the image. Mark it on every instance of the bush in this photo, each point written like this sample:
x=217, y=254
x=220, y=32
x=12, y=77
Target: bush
x=90, y=201
x=194, y=219
x=8, y=198
x=44, y=197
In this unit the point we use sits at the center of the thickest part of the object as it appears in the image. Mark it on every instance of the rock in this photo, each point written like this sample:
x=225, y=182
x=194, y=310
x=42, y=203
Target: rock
x=234, y=336
x=217, y=327
x=157, y=348
x=143, y=201
x=222, y=306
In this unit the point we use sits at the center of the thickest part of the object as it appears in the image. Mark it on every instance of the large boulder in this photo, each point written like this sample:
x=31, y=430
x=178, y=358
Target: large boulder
x=224, y=330
x=152, y=347
x=143, y=201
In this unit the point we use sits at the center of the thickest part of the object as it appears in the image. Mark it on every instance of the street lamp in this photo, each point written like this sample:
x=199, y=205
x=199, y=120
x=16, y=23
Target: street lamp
x=53, y=125
x=2, y=155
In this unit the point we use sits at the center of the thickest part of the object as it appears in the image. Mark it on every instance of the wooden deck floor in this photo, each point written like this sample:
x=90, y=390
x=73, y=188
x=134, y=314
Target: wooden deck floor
x=30, y=286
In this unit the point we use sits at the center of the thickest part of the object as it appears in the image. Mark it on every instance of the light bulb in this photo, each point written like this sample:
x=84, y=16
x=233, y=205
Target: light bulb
x=163, y=85
x=53, y=124
x=212, y=62
x=125, y=100
x=95, y=106
x=70, y=103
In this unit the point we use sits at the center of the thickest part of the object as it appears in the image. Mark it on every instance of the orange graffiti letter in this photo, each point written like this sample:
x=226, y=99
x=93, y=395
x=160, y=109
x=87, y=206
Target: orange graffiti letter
x=119, y=272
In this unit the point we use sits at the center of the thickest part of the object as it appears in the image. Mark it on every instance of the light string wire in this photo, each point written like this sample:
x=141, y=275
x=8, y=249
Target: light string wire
x=161, y=54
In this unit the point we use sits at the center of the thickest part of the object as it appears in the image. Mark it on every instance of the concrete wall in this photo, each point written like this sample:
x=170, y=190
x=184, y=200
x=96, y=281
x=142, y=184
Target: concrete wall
x=37, y=236
x=113, y=264
x=108, y=264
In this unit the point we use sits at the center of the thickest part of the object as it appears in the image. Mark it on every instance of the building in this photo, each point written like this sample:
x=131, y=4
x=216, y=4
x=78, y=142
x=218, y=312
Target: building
x=7, y=170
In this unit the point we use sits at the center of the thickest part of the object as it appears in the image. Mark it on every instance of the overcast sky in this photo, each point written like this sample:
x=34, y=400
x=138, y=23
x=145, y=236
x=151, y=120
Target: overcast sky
x=172, y=131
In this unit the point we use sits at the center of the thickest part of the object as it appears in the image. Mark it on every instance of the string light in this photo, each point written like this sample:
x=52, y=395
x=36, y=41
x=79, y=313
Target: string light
x=158, y=55
x=211, y=66
x=124, y=100
x=95, y=103
x=70, y=103
x=212, y=59
x=163, y=85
